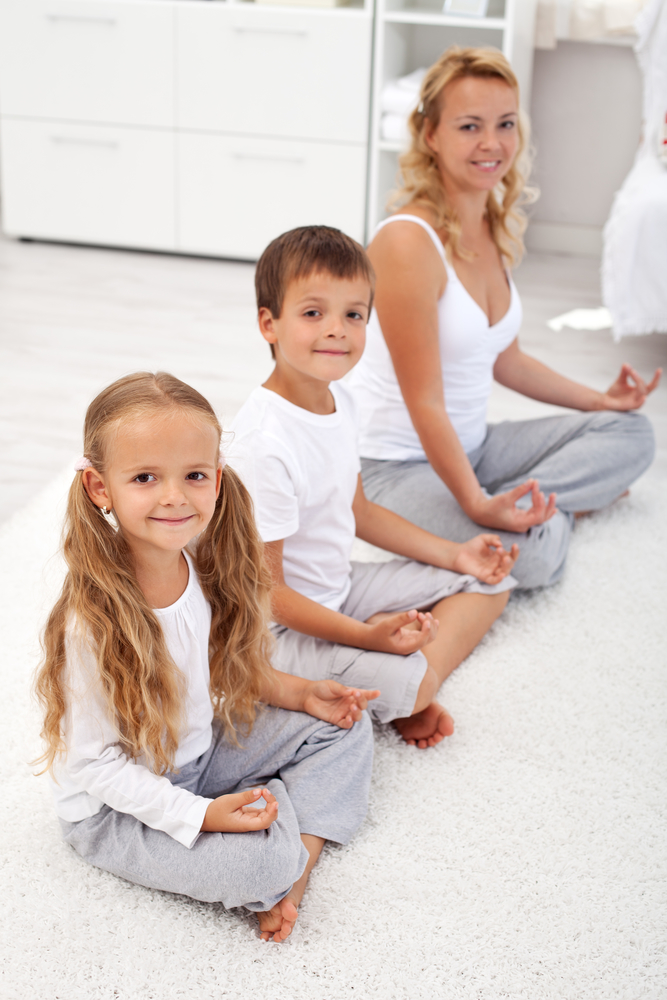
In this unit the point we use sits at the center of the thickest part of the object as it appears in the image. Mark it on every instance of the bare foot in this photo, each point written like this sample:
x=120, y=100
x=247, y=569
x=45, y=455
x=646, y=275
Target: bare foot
x=426, y=728
x=585, y=513
x=278, y=921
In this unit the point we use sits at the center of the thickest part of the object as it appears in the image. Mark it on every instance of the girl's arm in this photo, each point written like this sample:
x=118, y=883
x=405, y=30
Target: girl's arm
x=410, y=281
x=299, y=613
x=327, y=699
x=520, y=372
x=482, y=556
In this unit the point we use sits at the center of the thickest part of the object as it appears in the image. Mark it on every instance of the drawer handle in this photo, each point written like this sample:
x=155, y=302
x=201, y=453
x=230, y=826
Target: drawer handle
x=81, y=19
x=298, y=32
x=269, y=158
x=65, y=140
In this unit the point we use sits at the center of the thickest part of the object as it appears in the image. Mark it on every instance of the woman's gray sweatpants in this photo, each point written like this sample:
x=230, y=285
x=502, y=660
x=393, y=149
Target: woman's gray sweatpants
x=319, y=774
x=587, y=459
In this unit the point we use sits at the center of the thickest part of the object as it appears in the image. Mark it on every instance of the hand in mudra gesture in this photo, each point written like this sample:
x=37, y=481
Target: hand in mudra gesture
x=500, y=512
x=629, y=391
x=484, y=557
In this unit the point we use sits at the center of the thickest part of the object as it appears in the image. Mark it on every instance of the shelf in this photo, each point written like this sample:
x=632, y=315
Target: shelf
x=445, y=20
x=389, y=146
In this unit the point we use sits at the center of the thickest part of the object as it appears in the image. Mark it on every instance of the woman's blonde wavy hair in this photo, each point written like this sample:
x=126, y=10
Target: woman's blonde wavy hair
x=420, y=180
x=102, y=604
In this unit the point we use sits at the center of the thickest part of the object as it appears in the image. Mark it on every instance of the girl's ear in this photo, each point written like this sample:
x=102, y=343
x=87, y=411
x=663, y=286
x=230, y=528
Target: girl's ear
x=94, y=486
x=266, y=325
x=218, y=480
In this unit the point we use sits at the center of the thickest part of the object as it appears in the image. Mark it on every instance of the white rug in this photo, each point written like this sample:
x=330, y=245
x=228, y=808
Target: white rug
x=525, y=857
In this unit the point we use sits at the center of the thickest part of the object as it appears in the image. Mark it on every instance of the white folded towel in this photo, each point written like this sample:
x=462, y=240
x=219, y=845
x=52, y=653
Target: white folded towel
x=394, y=128
x=401, y=96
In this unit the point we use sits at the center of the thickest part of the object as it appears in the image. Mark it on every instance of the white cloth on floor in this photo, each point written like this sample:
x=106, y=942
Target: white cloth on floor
x=634, y=260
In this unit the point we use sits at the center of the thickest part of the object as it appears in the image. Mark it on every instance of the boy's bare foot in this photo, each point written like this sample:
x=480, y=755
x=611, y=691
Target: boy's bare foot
x=585, y=513
x=426, y=728
x=278, y=921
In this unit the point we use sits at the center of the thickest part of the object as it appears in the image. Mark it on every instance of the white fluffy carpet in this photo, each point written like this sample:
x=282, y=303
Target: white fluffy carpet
x=525, y=857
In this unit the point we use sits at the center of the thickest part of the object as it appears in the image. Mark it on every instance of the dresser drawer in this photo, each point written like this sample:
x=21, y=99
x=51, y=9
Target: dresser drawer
x=88, y=184
x=237, y=194
x=88, y=61
x=292, y=74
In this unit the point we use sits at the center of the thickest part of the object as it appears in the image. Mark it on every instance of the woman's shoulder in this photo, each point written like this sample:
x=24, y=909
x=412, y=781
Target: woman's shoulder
x=407, y=243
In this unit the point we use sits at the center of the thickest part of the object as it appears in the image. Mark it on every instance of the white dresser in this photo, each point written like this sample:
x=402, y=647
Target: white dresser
x=182, y=125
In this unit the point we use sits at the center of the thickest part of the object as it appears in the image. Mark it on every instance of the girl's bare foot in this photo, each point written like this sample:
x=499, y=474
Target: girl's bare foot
x=426, y=728
x=278, y=921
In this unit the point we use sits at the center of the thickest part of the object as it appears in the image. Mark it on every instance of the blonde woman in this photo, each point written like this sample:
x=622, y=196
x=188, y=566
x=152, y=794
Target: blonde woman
x=446, y=322
x=156, y=657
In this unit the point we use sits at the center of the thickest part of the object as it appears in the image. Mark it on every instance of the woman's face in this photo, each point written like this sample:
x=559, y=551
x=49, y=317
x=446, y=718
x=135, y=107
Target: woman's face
x=477, y=137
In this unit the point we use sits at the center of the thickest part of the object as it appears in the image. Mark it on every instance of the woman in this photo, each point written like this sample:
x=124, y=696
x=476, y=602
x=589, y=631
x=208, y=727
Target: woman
x=446, y=322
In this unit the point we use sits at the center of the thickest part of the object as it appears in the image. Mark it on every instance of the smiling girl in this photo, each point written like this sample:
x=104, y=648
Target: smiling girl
x=445, y=324
x=156, y=657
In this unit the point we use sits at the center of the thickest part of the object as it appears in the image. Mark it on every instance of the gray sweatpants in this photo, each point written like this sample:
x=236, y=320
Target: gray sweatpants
x=319, y=774
x=587, y=459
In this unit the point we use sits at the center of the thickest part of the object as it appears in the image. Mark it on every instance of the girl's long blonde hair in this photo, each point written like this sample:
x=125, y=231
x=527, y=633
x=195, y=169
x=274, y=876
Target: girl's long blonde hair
x=419, y=175
x=102, y=604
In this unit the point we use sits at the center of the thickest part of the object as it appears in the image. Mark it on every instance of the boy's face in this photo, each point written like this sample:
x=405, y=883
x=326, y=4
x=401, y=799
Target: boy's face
x=321, y=331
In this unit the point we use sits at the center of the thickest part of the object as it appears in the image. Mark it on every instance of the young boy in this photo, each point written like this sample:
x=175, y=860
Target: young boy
x=401, y=626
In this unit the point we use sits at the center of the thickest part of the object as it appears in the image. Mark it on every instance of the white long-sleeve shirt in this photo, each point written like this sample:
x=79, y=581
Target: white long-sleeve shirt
x=96, y=771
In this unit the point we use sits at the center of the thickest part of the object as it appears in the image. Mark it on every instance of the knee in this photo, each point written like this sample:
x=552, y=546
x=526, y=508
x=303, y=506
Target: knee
x=543, y=552
x=643, y=439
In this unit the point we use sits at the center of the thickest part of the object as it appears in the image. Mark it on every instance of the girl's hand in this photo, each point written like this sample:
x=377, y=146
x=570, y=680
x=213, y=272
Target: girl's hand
x=485, y=558
x=335, y=703
x=403, y=633
x=235, y=814
x=500, y=512
x=629, y=391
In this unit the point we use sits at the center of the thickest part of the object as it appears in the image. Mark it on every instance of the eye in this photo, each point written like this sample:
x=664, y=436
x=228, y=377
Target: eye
x=470, y=127
x=144, y=477
x=507, y=125
x=195, y=477
x=353, y=314
x=312, y=312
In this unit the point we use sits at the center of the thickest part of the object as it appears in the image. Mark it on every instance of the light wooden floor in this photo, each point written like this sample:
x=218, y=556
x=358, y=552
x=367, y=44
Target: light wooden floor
x=72, y=319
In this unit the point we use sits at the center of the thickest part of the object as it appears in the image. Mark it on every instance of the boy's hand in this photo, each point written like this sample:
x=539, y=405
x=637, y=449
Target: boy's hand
x=335, y=703
x=485, y=558
x=402, y=633
x=234, y=813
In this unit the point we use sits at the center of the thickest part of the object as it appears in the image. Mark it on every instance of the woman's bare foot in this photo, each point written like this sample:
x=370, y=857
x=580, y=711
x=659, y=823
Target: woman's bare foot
x=278, y=921
x=585, y=513
x=426, y=728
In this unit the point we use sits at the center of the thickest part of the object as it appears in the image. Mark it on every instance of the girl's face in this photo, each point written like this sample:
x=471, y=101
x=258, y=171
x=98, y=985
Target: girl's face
x=162, y=479
x=477, y=137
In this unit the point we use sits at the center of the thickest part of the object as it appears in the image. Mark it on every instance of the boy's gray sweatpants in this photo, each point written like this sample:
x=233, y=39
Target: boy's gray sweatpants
x=587, y=459
x=319, y=774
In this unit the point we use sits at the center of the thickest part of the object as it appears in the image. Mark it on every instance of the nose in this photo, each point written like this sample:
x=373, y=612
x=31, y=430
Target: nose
x=336, y=327
x=172, y=494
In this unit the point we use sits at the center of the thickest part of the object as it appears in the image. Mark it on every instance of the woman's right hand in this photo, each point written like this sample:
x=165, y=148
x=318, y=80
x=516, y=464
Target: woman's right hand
x=500, y=512
x=235, y=813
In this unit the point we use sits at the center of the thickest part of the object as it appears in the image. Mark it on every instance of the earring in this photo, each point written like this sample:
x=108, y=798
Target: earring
x=109, y=517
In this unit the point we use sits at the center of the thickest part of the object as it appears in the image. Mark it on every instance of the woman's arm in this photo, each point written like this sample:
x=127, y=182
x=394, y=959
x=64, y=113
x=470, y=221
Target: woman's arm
x=410, y=281
x=520, y=372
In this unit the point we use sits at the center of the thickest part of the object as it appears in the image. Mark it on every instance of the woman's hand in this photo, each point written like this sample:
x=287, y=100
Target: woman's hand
x=500, y=512
x=336, y=703
x=485, y=558
x=629, y=391
x=235, y=814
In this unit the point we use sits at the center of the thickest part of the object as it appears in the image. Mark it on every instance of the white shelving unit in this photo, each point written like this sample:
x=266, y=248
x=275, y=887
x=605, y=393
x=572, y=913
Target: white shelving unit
x=190, y=126
x=413, y=33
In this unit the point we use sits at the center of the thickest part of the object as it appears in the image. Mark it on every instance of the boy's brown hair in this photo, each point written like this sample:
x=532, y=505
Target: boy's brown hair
x=305, y=251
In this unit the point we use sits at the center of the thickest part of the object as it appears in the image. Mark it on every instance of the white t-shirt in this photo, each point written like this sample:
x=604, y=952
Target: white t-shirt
x=301, y=470
x=96, y=770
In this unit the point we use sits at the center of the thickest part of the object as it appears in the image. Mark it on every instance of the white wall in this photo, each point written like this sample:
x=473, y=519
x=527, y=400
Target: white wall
x=586, y=117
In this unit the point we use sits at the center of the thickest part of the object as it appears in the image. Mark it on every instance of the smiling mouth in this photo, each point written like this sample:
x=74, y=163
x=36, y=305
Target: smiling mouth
x=172, y=520
x=486, y=164
x=336, y=354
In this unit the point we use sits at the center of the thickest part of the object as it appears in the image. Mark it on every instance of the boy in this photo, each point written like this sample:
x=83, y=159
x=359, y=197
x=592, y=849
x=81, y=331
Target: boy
x=400, y=626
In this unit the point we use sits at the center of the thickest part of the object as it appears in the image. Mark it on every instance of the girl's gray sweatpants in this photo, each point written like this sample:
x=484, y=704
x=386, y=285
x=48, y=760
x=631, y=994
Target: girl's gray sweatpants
x=319, y=774
x=587, y=459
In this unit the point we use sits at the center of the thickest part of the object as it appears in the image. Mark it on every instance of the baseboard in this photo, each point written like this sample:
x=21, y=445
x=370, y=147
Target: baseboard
x=562, y=237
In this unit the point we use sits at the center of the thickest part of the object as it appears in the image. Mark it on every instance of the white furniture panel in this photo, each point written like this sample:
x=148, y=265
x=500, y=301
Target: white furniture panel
x=106, y=61
x=295, y=74
x=88, y=184
x=236, y=194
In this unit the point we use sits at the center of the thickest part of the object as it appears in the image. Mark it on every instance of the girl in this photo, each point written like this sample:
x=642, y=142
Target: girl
x=446, y=324
x=155, y=658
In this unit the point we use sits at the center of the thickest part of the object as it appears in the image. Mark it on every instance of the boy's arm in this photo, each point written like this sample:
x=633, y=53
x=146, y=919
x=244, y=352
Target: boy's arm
x=482, y=556
x=299, y=613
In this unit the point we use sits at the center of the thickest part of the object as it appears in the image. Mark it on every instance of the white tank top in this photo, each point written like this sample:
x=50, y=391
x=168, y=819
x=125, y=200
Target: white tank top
x=469, y=346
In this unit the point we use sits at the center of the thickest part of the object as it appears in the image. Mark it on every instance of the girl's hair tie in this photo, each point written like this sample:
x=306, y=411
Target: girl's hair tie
x=83, y=463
